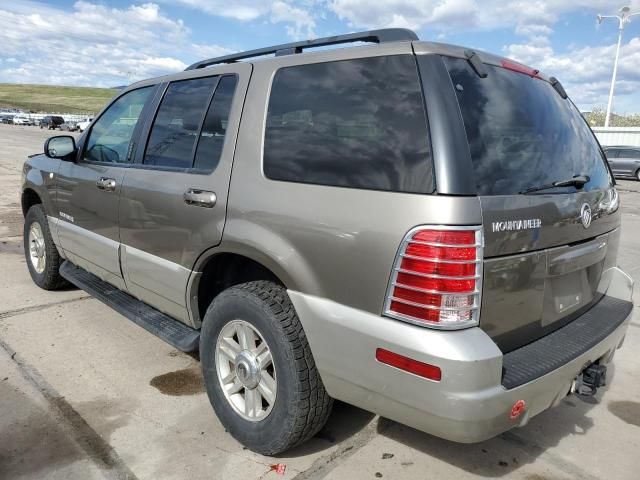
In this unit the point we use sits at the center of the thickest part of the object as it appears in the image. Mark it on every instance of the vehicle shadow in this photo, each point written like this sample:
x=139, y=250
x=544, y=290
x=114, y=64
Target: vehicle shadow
x=345, y=422
x=506, y=453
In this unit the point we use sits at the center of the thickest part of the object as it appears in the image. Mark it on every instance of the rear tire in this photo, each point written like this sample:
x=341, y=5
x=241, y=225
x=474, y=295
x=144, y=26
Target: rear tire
x=638, y=175
x=300, y=404
x=43, y=259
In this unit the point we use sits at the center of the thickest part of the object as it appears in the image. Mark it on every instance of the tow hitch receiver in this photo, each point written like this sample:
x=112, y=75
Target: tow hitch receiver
x=591, y=378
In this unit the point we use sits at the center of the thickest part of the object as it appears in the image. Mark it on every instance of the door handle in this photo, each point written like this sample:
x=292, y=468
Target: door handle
x=200, y=198
x=106, y=184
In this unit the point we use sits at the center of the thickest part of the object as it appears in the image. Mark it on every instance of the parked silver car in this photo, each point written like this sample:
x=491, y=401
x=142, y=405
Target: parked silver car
x=624, y=161
x=423, y=231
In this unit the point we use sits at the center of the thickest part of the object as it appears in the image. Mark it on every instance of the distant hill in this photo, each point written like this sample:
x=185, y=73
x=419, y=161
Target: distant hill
x=54, y=99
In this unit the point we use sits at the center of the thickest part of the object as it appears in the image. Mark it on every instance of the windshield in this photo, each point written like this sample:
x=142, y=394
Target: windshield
x=522, y=133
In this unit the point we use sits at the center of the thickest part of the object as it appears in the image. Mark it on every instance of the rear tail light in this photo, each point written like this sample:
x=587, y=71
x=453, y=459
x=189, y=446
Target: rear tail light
x=436, y=278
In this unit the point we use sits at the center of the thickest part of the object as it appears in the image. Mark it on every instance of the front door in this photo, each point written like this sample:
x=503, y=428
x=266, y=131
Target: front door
x=173, y=201
x=89, y=188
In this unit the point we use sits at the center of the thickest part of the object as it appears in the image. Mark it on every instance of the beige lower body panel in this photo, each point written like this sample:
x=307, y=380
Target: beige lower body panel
x=469, y=404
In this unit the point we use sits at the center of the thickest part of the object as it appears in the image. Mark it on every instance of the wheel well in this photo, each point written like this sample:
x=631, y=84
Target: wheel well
x=226, y=270
x=29, y=199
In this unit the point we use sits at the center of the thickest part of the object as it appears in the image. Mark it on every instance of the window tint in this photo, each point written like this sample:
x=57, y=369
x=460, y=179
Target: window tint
x=111, y=134
x=175, y=128
x=522, y=133
x=215, y=126
x=353, y=123
x=630, y=153
x=612, y=152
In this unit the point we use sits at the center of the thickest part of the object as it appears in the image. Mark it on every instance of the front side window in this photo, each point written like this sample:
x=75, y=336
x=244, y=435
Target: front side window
x=352, y=123
x=111, y=134
x=612, y=153
x=175, y=129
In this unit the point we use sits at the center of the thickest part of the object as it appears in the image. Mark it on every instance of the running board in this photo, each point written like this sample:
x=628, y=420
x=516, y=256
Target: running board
x=173, y=332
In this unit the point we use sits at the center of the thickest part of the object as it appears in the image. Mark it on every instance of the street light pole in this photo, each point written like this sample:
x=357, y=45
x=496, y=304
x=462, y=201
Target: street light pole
x=623, y=19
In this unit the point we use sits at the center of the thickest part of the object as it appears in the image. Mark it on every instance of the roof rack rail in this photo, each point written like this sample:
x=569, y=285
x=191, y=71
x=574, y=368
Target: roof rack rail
x=374, y=36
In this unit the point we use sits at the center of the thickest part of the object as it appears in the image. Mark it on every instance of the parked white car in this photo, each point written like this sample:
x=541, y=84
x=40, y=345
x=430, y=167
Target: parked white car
x=22, y=121
x=84, y=124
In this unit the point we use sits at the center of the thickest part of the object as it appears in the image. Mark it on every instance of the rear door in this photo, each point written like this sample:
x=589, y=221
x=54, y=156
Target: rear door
x=628, y=161
x=546, y=248
x=88, y=190
x=173, y=202
x=612, y=157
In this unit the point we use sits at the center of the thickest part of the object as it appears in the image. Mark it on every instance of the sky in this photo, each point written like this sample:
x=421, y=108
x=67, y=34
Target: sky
x=108, y=43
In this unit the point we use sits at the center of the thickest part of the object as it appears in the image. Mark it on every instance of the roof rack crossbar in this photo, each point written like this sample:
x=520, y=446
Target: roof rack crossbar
x=374, y=36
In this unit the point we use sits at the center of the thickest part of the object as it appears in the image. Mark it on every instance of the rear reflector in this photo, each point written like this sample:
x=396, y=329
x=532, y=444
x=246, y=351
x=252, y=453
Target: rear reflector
x=517, y=409
x=409, y=365
x=436, y=278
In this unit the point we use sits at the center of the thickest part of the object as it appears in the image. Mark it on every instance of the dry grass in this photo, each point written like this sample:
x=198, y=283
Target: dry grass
x=54, y=99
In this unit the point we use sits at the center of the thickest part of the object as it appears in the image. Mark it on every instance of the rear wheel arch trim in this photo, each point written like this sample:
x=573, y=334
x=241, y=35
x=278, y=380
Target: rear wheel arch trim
x=196, y=312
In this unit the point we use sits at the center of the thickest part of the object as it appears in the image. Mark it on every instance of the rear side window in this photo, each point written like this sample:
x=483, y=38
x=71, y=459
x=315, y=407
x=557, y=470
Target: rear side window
x=630, y=153
x=521, y=133
x=175, y=129
x=612, y=153
x=353, y=123
x=211, y=139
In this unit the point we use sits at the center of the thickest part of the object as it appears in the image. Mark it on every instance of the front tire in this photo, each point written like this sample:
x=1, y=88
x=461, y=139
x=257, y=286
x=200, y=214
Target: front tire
x=638, y=175
x=259, y=371
x=43, y=259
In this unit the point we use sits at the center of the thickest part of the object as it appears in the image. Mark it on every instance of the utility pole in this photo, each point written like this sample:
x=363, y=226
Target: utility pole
x=623, y=19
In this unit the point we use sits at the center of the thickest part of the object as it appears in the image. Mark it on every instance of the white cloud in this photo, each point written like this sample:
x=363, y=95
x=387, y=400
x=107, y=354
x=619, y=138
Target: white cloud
x=586, y=71
x=449, y=14
x=92, y=44
x=298, y=18
x=302, y=23
x=244, y=10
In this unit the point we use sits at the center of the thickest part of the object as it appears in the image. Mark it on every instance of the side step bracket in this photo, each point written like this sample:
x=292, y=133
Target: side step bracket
x=177, y=334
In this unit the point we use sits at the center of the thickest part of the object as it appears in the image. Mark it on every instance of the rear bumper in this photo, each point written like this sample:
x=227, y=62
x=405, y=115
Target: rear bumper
x=470, y=403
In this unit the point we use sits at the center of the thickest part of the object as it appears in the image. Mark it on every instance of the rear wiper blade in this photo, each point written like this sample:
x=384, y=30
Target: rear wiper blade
x=577, y=181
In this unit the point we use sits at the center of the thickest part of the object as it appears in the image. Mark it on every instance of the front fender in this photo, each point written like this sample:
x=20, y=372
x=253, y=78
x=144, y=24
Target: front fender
x=39, y=177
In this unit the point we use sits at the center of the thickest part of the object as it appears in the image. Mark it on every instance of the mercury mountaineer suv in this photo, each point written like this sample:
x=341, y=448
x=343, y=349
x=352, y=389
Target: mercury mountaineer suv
x=427, y=232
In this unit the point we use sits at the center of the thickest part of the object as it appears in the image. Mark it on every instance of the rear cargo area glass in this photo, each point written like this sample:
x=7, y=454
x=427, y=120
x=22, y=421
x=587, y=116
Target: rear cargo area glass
x=522, y=133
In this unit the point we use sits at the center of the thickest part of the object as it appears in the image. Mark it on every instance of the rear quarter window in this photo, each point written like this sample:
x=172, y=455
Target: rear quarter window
x=353, y=123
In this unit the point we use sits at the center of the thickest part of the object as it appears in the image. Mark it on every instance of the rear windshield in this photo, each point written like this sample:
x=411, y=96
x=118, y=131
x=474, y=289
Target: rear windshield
x=522, y=133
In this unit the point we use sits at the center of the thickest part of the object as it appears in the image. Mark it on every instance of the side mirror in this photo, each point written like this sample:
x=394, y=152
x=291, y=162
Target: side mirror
x=61, y=146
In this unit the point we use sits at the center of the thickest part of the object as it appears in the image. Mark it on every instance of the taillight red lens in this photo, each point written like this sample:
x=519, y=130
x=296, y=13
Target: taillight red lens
x=450, y=237
x=432, y=299
x=410, y=365
x=439, y=268
x=436, y=279
x=441, y=253
x=437, y=284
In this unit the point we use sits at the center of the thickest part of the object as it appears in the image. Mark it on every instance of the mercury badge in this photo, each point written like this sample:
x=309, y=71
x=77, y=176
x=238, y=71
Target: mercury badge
x=585, y=215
